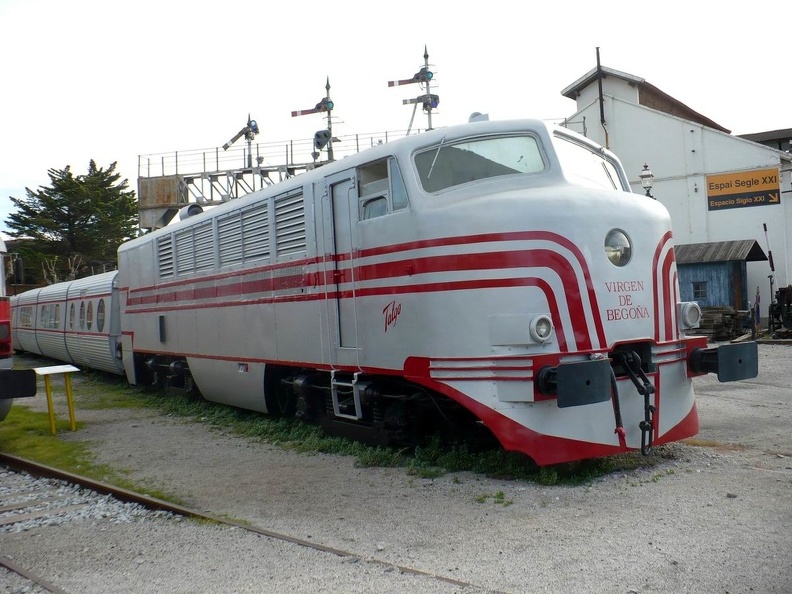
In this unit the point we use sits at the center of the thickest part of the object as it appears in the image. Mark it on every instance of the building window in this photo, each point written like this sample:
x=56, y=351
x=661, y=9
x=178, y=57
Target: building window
x=699, y=291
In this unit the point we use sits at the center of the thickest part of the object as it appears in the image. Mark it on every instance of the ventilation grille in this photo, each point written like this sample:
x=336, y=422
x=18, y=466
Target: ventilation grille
x=255, y=229
x=229, y=239
x=204, y=246
x=290, y=224
x=165, y=256
x=185, y=256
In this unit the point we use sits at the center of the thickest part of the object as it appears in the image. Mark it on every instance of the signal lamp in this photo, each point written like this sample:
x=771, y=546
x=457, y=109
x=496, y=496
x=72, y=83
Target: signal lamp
x=541, y=328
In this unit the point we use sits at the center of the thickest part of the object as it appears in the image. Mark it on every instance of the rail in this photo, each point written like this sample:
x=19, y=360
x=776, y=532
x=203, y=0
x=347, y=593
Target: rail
x=287, y=153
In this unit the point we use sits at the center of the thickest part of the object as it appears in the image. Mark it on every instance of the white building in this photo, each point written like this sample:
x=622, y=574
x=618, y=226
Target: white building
x=717, y=187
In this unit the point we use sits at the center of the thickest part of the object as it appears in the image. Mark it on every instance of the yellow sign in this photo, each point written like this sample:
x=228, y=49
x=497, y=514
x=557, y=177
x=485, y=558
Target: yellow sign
x=759, y=187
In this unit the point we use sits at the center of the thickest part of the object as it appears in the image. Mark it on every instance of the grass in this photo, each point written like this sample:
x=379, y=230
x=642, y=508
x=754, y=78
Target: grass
x=498, y=498
x=432, y=460
x=27, y=433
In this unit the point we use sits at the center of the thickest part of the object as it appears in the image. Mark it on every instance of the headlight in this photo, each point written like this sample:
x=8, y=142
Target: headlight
x=688, y=314
x=541, y=328
x=617, y=247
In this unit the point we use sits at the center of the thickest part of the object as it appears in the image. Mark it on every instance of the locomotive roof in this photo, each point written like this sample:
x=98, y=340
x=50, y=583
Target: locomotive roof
x=403, y=147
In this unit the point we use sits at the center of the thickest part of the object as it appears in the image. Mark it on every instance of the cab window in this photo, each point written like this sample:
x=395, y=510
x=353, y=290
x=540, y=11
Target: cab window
x=381, y=189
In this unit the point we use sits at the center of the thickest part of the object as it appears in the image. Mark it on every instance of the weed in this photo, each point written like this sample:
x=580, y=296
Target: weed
x=432, y=459
x=26, y=433
x=498, y=498
x=709, y=443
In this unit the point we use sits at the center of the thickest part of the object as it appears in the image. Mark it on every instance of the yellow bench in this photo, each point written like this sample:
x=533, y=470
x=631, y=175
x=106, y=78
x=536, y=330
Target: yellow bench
x=46, y=372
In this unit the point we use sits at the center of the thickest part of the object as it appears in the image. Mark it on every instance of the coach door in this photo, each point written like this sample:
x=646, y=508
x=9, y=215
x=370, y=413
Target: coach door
x=340, y=227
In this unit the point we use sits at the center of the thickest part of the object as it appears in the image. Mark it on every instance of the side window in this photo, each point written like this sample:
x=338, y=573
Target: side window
x=585, y=167
x=398, y=191
x=71, y=317
x=89, y=315
x=82, y=315
x=374, y=207
x=381, y=189
x=50, y=316
x=100, y=315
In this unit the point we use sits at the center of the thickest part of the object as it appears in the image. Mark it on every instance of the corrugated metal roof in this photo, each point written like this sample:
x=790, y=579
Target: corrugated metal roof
x=747, y=250
x=783, y=134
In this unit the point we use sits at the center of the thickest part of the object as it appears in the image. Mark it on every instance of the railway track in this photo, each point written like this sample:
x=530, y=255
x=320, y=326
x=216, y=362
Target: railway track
x=34, y=495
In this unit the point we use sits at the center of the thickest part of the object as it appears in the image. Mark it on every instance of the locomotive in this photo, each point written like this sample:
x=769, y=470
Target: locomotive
x=500, y=277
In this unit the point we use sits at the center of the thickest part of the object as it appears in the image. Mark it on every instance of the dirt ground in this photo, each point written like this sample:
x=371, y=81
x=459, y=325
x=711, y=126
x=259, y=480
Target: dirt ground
x=715, y=518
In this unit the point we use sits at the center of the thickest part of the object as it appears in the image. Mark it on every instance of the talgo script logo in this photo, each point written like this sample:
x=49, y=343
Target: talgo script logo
x=391, y=312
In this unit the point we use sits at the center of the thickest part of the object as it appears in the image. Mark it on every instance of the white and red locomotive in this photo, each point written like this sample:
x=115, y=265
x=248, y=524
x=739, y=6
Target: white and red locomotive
x=500, y=274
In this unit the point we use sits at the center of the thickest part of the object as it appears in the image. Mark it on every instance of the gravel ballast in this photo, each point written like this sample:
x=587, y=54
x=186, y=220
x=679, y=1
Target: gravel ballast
x=717, y=517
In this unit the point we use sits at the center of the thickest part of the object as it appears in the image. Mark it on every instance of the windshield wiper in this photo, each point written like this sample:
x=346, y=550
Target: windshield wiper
x=431, y=167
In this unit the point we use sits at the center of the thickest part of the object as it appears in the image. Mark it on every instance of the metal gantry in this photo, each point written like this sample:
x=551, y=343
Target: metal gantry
x=168, y=182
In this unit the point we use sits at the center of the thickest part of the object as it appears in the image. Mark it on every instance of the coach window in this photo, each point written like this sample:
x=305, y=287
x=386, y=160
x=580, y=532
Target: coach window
x=71, y=317
x=82, y=315
x=100, y=315
x=50, y=316
x=89, y=316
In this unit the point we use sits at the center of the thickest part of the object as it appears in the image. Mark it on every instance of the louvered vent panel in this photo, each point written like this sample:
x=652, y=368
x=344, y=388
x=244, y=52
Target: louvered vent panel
x=165, y=256
x=290, y=224
x=255, y=228
x=229, y=239
x=185, y=256
x=204, y=246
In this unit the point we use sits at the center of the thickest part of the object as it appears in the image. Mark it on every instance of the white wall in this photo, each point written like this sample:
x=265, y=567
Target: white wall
x=681, y=154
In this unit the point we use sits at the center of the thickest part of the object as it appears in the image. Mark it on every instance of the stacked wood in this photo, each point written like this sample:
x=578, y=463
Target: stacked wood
x=723, y=323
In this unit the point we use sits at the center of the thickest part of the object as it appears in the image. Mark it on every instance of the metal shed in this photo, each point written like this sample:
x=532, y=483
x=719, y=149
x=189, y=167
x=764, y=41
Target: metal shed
x=714, y=274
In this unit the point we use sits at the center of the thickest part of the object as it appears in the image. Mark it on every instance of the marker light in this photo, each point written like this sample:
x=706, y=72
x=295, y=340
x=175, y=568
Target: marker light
x=541, y=328
x=688, y=314
x=617, y=247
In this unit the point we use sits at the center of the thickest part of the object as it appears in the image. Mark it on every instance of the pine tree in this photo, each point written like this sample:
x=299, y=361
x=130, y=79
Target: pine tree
x=85, y=215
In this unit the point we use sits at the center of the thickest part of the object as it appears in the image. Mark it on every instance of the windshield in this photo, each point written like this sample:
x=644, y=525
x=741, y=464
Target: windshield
x=451, y=164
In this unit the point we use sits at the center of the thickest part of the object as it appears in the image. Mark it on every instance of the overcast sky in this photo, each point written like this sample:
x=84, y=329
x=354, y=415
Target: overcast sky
x=112, y=80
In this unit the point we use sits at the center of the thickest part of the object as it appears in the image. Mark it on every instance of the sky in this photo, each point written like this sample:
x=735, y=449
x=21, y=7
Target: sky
x=111, y=81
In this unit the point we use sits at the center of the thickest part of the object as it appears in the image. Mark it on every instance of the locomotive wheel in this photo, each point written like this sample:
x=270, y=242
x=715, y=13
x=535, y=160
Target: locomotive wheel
x=280, y=399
